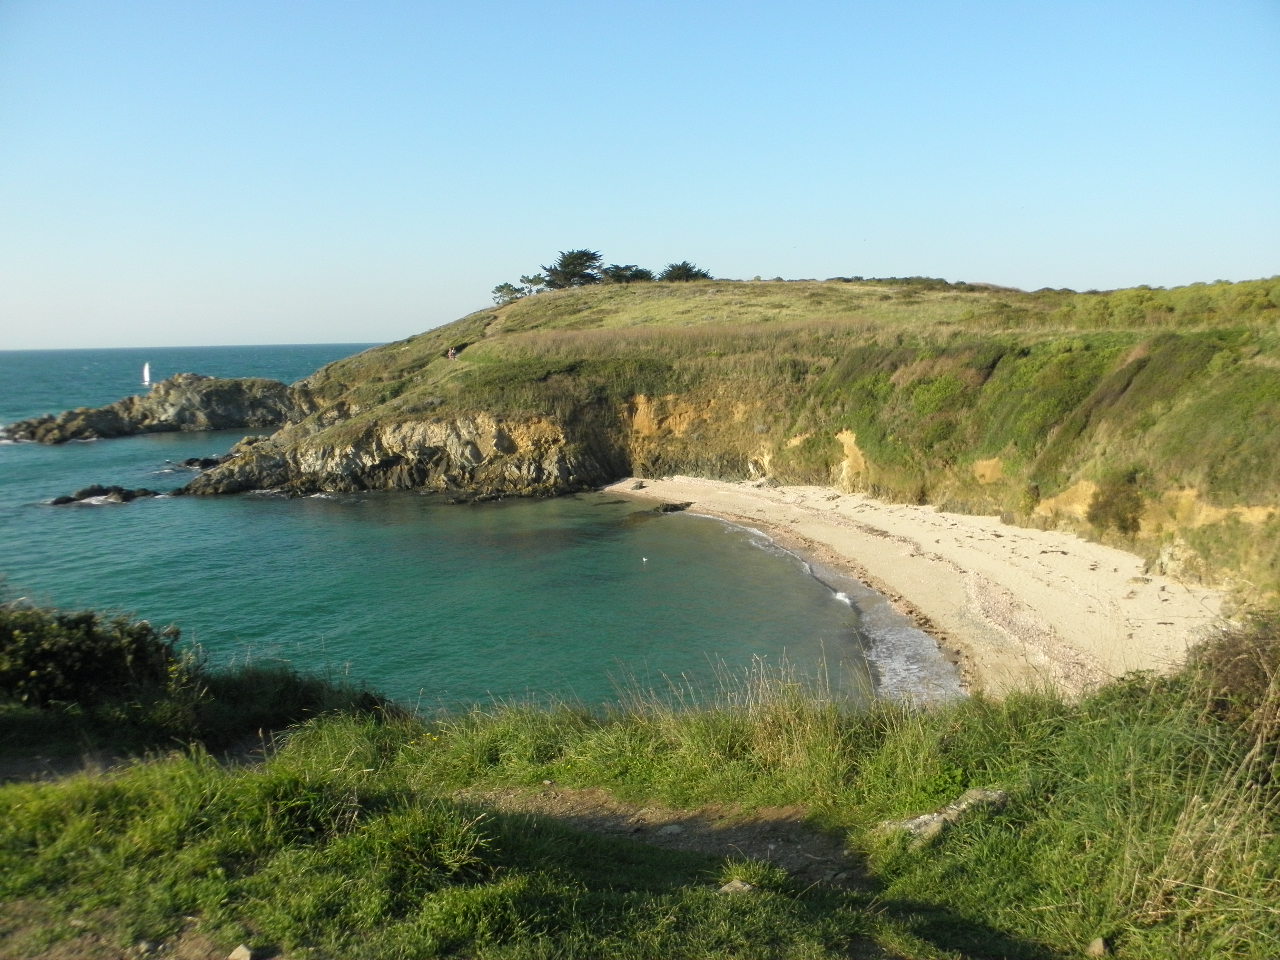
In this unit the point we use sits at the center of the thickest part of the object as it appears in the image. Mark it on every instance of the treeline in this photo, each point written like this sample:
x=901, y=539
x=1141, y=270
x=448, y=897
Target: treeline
x=581, y=268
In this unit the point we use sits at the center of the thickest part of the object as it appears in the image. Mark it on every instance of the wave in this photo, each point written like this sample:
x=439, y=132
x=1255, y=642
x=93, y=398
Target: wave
x=906, y=661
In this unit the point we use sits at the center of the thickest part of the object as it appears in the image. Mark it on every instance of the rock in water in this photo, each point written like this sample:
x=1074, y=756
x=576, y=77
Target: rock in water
x=116, y=494
x=186, y=401
x=475, y=457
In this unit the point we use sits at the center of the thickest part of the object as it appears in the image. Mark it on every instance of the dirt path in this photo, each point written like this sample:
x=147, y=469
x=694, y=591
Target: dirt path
x=778, y=835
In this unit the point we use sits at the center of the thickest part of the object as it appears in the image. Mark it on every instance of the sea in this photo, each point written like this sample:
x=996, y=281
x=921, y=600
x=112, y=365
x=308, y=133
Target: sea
x=593, y=599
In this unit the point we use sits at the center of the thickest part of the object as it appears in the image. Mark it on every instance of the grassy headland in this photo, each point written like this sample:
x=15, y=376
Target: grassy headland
x=1145, y=814
x=1150, y=418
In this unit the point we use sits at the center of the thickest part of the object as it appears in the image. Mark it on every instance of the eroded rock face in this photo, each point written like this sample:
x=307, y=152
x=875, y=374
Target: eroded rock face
x=479, y=455
x=187, y=401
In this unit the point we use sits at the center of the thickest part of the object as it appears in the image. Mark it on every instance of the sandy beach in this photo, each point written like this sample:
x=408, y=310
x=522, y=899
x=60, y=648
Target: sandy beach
x=1017, y=607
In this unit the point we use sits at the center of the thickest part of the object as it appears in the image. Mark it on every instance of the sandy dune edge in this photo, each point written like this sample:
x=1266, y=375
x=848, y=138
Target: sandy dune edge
x=1019, y=607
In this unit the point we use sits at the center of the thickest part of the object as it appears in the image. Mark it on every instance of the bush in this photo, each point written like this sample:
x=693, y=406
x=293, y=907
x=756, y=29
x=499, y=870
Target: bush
x=1238, y=668
x=683, y=271
x=49, y=656
x=120, y=682
x=1117, y=503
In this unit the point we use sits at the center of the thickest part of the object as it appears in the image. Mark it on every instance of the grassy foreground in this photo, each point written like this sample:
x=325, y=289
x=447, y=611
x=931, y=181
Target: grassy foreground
x=1145, y=814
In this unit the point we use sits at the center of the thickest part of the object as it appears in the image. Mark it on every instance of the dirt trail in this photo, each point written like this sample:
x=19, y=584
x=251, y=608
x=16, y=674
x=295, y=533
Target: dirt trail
x=778, y=835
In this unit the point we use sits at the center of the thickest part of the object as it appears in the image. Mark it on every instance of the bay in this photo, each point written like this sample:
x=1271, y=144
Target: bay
x=586, y=598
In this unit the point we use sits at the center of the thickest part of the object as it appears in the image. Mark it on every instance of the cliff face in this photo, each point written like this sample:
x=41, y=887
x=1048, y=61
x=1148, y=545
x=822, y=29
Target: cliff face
x=187, y=401
x=478, y=456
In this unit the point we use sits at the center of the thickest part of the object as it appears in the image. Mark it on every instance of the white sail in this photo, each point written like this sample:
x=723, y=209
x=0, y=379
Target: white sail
x=146, y=374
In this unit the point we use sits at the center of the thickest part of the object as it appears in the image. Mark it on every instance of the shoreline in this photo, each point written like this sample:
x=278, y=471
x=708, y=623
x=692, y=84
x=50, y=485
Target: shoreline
x=1013, y=607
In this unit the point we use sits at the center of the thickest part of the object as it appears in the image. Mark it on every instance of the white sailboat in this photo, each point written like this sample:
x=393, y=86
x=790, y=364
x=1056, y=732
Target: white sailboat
x=146, y=374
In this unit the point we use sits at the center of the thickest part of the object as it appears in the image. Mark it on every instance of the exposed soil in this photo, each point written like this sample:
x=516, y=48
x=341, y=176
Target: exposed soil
x=778, y=835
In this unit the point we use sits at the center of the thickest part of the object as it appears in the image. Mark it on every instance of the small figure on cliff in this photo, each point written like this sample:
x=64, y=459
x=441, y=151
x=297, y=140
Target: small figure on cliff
x=453, y=353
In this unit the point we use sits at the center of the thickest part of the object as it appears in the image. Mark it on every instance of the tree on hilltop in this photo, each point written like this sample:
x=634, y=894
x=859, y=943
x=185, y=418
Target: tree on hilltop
x=684, y=270
x=505, y=293
x=575, y=268
x=626, y=273
x=580, y=268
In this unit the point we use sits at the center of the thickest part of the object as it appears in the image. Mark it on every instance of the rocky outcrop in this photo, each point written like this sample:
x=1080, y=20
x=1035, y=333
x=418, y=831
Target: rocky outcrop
x=478, y=456
x=98, y=493
x=187, y=401
x=927, y=827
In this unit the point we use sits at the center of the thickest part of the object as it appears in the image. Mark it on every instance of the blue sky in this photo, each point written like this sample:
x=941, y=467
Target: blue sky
x=263, y=171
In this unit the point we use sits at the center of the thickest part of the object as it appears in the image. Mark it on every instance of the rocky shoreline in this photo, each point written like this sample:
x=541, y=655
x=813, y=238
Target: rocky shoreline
x=479, y=454
x=184, y=402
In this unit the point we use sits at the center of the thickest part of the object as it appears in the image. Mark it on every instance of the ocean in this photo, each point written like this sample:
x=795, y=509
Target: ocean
x=590, y=598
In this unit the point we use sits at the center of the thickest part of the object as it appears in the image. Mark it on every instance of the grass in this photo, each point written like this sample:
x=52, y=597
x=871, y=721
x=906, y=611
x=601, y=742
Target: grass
x=1146, y=814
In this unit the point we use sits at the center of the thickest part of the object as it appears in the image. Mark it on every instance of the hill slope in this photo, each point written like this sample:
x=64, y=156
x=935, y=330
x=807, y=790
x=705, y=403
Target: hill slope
x=1146, y=416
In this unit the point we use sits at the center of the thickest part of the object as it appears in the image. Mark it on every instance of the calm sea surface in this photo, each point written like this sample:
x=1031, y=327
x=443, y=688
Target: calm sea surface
x=581, y=597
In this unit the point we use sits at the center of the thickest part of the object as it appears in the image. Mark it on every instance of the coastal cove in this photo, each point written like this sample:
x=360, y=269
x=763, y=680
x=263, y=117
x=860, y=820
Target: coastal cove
x=586, y=597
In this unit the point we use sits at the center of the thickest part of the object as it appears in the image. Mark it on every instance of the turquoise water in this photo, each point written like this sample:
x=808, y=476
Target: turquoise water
x=434, y=604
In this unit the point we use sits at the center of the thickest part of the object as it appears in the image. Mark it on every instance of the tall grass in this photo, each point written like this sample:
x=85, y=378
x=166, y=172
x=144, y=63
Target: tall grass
x=1145, y=814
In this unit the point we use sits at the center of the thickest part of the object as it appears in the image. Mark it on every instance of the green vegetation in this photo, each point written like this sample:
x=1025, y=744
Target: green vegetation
x=1146, y=814
x=626, y=273
x=72, y=683
x=683, y=271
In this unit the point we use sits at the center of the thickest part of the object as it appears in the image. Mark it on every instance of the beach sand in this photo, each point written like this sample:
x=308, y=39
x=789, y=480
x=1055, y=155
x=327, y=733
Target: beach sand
x=1016, y=607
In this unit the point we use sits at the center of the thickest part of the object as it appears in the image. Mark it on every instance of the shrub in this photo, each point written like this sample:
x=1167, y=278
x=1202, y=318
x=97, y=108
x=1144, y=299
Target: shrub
x=49, y=656
x=1117, y=503
x=683, y=271
x=1237, y=668
x=120, y=682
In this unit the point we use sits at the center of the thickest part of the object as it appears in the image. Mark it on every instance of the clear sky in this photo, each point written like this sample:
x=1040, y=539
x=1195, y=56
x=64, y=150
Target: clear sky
x=274, y=171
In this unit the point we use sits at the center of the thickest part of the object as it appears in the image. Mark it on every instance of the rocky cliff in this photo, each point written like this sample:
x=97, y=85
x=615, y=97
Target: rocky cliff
x=475, y=456
x=1147, y=418
x=186, y=401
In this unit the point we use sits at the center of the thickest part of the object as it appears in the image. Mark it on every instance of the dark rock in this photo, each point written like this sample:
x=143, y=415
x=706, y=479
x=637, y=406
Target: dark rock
x=672, y=507
x=202, y=463
x=116, y=494
x=187, y=401
x=473, y=457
